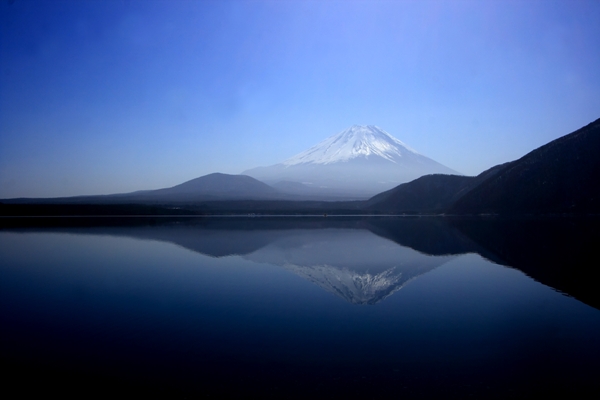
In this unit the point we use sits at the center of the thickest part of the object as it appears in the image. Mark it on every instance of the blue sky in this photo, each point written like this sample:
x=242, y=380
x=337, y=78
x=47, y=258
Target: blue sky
x=109, y=96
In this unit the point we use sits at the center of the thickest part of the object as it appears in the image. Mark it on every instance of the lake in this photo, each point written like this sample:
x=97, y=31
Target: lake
x=305, y=306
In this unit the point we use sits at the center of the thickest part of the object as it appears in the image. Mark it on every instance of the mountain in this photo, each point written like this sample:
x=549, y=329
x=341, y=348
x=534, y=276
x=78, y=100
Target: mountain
x=214, y=186
x=211, y=187
x=430, y=193
x=358, y=162
x=562, y=176
x=559, y=177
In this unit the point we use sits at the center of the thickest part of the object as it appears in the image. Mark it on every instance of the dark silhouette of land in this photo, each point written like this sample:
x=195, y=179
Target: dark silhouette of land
x=428, y=194
x=560, y=177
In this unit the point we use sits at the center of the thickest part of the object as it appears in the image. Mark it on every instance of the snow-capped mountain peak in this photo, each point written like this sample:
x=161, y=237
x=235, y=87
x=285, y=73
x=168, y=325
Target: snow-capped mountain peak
x=356, y=141
x=358, y=162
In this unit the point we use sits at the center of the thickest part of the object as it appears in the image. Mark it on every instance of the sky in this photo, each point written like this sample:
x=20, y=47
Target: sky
x=111, y=96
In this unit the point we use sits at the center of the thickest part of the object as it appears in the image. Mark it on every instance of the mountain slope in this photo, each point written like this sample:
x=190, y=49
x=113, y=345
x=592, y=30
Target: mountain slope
x=214, y=186
x=562, y=176
x=430, y=193
x=359, y=162
x=355, y=142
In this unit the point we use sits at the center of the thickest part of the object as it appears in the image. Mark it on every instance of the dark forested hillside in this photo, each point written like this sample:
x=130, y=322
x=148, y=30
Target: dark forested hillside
x=562, y=176
x=428, y=194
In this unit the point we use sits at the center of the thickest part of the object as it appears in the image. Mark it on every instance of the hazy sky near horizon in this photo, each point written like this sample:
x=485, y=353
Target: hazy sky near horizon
x=106, y=96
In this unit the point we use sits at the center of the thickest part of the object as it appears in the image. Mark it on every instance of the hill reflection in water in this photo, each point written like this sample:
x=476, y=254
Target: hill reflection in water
x=364, y=260
x=209, y=306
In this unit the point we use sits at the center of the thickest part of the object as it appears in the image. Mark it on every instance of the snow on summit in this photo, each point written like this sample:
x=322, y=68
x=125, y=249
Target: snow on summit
x=356, y=141
x=358, y=162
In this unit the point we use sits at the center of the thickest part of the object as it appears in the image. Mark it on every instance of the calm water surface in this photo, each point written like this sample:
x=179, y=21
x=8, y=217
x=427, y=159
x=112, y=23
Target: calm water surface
x=306, y=307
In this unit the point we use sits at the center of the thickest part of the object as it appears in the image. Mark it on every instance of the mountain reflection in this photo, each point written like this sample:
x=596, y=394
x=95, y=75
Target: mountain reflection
x=354, y=264
x=365, y=260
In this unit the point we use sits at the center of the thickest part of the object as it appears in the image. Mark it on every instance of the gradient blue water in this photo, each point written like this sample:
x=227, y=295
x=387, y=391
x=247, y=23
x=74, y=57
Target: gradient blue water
x=148, y=309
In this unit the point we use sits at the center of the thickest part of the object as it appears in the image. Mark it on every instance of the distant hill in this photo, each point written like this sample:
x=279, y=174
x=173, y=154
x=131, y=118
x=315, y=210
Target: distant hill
x=211, y=187
x=299, y=191
x=562, y=176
